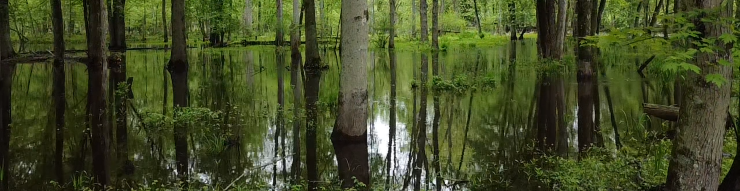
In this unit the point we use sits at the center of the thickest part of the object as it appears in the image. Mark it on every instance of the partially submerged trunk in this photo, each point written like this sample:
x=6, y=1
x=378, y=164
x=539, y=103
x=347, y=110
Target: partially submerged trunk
x=313, y=81
x=697, y=150
x=98, y=112
x=295, y=81
x=586, y=127
x=349, y=136
x=392, y=33
x=420, y=132
x=435, y=127
x=58, y=89
x=6, y=77
x=178, y=68
x=117, y=61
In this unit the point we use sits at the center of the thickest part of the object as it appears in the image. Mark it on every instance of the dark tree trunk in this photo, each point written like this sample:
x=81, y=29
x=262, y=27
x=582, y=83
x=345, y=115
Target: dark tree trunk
x=423, y=18
x=58, y=88
x=392, y=34
x=586, y=129
x=117, y=62
x=279, y=23
x=477, y=18
x=6, y=80
x=97, y=103
x=548, y=41
x=435, y=24
x=697, y=150
x=178, y=69
x=654, y=18
x=281, y=105
x=164, y=22
x=512, y=20
x=313, y=60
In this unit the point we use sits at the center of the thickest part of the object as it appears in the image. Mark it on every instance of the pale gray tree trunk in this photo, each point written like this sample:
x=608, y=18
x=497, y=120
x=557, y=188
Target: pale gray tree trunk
x=350, y=132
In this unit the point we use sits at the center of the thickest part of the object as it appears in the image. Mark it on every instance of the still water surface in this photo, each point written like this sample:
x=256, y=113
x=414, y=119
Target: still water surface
x=238, y=88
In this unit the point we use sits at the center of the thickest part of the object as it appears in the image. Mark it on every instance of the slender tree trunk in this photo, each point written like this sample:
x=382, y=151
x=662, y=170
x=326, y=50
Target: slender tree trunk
x=512, y=20
x=295, y=81
x=178, y=69
x=423, y=18
x=585, y=77
x=654, y=18
x=414, y=11
x=561, y=23
x=350, y=132
x=477, y=18
x=164, y=22
x=697, y=150
x=313, y=60
x=6, y=79
x=117, y=61
x=279, y=24
x=58, y=90
x=97, y=102
x=599, y=17
x=392, y=35
x=435, y=24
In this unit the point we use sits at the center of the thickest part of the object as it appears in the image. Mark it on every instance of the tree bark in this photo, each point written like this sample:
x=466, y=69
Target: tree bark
x=423, y=18
x=586, y=129
x=313, y=60
x=97, y=103
x=295, y=81
x=58, y=88
x=697, y=150
x=279, y=24
x=435, y=24
x=477, y=18
x=178, y=69
x=6, y=79
x=118, y=76
x=548, y=40
x=164, y=21
x=392, y=35
x=350, y=132
x=313, y=82
x=248, y=17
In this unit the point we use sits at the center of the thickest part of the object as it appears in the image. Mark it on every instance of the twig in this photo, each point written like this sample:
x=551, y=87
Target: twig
x=644, y=65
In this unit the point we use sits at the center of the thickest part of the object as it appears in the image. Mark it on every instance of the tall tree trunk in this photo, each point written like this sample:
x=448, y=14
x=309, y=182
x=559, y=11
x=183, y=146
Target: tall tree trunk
x=295, y=81
x=6, y=78
x=350, y=132
x=58, y=90
x=599, y=17
x=164, y=22
x=178, y=68
x=117, y=62
x=248, y=17
x=414, y=11
x=551, y=98
x=477, y=18
x=435, y=24
x=697, y=150
x=423, y=18
x=313, y=60
x=512, y=20
x=548, y=33
x=654, y=18
x=392, y=35
x=97, y=81
x=561, y=23
x=279, y=24
x=585, y=75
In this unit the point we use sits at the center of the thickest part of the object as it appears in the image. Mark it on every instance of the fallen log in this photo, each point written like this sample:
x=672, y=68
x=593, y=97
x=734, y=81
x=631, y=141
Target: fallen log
x=665, y=112
x=670, y=113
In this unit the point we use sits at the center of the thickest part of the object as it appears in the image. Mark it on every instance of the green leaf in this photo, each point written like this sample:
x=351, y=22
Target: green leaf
x=728, y=38
x=724, y=62
x=690, y=67
x=716, y=79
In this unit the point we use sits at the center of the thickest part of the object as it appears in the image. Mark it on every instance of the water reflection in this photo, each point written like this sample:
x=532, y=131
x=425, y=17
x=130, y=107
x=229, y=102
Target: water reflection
x=483, y=132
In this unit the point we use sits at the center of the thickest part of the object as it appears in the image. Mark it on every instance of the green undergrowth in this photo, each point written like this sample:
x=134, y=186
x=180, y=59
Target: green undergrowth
x=634, y=167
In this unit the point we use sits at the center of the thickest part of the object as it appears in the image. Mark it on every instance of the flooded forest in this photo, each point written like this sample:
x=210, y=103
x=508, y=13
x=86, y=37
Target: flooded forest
x=369, y=95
